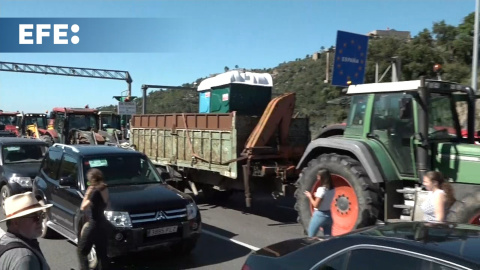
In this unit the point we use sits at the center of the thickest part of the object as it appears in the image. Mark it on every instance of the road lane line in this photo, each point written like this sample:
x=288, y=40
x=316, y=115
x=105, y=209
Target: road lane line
x=231, y=240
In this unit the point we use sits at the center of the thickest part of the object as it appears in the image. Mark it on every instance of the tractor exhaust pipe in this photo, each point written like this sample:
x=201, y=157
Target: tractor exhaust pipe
x=422, y=149
x=471, y=115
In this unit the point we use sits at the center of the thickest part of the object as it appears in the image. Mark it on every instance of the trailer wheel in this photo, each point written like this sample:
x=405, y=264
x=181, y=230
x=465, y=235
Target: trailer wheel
x=466, y=210
x=357, y=202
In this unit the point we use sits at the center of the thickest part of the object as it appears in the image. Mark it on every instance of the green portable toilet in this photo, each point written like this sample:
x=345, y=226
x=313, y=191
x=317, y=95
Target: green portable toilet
x=247, y=93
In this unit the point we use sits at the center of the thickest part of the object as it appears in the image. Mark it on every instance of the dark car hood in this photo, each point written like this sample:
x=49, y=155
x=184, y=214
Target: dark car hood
x=145, y=198
x=29, y=169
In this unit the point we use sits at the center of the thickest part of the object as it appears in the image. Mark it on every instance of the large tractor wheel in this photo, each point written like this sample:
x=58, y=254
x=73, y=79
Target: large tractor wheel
x=357, y=202
x=47, y=138
x=466, y=210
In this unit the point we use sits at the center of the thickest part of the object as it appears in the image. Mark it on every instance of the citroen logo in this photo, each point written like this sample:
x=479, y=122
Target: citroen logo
x=160, y=215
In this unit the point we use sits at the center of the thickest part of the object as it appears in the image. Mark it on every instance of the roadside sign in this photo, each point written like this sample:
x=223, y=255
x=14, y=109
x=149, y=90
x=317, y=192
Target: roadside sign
x=350, y=59
x=127, y=108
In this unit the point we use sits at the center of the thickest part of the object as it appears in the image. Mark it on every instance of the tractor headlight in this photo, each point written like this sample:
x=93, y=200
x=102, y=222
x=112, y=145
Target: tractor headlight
x=119, y=219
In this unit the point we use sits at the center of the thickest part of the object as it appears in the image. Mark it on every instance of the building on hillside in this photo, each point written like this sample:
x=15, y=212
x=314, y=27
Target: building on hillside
x=390, y=33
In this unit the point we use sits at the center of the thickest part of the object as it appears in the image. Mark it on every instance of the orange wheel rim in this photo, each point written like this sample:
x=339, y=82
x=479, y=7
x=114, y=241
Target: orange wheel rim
x=344, y=206
x=476, y=219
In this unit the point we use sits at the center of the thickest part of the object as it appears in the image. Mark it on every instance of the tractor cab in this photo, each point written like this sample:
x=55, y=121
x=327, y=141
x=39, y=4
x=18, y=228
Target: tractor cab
x=28, y=123
x=109, y=120
x=75, y=125
x=410, y=120
x=9, y=121
x=110, y=123
x=420, y=125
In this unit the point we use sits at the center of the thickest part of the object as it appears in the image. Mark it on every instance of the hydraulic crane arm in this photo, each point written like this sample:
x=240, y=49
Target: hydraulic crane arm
x=277, y=115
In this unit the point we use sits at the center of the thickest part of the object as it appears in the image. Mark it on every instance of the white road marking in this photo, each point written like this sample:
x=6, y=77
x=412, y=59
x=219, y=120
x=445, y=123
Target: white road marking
x=231, y=240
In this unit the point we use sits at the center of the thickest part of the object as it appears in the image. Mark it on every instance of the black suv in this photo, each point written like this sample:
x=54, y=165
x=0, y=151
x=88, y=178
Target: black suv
x=145, y=212
x=20, y=160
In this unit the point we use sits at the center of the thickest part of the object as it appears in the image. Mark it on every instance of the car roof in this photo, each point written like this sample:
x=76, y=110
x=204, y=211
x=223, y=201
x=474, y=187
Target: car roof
x=89, y=150
x=17, y=140
x=459, y=240
x=448, y=241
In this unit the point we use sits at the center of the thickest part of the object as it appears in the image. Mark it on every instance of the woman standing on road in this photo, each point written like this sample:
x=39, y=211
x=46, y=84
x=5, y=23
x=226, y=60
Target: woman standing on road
x=94, y=231
x=321, y=201
x=439, y=199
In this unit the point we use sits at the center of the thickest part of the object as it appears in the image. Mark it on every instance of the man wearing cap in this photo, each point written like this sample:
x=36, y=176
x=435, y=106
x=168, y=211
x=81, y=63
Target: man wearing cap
x=24, y=216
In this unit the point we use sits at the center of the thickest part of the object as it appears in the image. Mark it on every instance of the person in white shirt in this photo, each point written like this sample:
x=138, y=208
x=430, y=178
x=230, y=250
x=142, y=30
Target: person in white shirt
x=321, y=201
x=439, y=199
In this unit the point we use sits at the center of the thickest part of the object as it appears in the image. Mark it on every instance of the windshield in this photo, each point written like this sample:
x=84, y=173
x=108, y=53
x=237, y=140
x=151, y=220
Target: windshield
x=82, y=121
x=123, y=170
x=8, y=120
x=357, y=112
x=39, y=120
x=111, y=120
x=442, y=120
x=23, y=153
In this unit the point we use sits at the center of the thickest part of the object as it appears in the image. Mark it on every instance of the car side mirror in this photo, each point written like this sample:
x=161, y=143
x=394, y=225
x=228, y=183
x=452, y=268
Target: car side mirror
x=67, y=181
x=406, y=108
x=164, y=175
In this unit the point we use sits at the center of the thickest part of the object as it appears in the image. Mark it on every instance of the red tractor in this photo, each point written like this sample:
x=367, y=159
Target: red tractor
x=9, y=119
x=77, y=126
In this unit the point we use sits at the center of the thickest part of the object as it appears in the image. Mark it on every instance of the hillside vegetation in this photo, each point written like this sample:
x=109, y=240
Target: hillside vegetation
x=448, y=45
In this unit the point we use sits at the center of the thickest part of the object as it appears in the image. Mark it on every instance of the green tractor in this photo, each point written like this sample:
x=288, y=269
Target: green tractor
x=395, y=133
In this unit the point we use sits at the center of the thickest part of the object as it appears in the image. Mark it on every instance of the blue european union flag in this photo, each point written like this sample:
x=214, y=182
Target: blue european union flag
x=350, y=59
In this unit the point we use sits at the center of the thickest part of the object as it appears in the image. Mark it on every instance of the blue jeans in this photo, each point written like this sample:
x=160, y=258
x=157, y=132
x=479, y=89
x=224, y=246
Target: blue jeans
x=320, y=219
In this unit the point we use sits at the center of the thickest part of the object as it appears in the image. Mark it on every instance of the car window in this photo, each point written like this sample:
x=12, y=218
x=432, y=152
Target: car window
x=336, y=263
x=51, y=164
x=23, y=153
x=69, y=167
x=361, y=259
x=123, y=170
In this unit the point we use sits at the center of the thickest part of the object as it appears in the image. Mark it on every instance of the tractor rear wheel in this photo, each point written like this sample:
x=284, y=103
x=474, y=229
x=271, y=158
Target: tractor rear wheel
x=465, y=210
x=357, y=202
x=47, y=138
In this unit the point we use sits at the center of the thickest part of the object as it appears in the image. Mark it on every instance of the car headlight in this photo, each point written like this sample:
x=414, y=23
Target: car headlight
x=22, y=181
x=119, y=219
x=191, y=211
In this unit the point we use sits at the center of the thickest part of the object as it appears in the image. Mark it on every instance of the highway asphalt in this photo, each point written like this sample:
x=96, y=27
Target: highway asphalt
x=230, y=233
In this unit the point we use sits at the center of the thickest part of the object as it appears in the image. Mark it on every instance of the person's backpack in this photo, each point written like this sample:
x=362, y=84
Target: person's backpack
x=16, y=244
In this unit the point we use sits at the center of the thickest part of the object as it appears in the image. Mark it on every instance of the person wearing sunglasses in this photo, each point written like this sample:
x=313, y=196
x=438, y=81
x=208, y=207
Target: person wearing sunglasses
x=19, y=247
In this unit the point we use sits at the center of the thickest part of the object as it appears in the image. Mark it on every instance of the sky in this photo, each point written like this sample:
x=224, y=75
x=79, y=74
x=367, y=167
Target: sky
x=215, y=34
